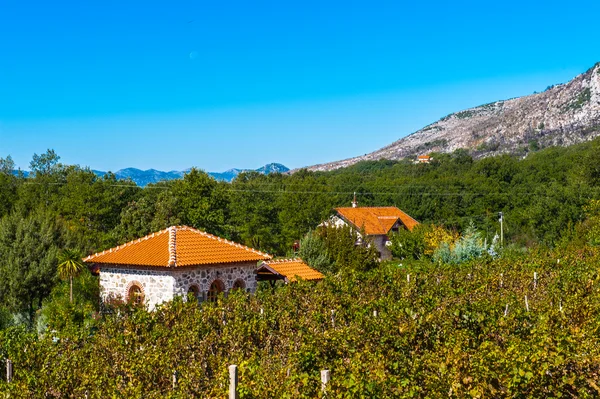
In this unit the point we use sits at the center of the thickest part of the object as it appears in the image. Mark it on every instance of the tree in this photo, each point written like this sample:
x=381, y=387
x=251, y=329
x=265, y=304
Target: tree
x=201, y=202
x=8, y=185
x=7, y=165
x=69, y=266
x=44, y=163
x=28, y=253
x=254, y=211
x=348, y=250
x=314, y=252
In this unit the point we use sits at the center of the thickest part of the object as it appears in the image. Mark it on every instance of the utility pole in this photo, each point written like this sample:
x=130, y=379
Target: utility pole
x=501, y=220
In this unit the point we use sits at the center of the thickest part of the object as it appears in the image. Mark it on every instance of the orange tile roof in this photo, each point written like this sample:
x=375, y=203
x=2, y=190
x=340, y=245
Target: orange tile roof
x=293, y=268
x=376, y=220
x=177, y=246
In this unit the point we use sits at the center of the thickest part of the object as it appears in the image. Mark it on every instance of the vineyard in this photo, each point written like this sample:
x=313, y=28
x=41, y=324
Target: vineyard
x=518, y=326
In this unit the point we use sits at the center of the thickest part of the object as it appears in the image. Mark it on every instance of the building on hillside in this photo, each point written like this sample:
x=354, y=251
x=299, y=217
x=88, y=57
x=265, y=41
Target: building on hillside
x=377, y=223
x=286, y=270
x=175, y=261
x=423, y=159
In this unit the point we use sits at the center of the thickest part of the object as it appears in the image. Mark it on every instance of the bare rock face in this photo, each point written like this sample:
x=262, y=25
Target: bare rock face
x=562, y=115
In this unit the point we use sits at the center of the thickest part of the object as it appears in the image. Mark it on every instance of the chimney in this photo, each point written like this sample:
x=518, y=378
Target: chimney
x=354, y=203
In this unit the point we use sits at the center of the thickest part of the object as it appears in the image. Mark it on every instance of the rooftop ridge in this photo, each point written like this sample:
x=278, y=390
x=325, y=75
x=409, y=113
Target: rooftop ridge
x=115, y=249
x=366, y=207
x=173, y=246
x=271, y=261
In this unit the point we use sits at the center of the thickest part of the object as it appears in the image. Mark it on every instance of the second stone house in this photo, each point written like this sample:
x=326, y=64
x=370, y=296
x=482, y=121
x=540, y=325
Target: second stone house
x=179, y=260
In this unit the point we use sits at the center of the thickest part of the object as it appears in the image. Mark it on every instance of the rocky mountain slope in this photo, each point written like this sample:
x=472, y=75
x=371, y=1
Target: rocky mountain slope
x=562, y=115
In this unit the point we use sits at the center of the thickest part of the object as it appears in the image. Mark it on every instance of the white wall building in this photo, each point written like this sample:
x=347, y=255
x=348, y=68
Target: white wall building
x=175, y=261
x=377, y=223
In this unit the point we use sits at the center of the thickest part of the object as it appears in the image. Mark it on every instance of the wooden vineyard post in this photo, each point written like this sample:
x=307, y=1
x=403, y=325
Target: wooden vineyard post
x=9, y=370
x=325, y=377
x=233, y=382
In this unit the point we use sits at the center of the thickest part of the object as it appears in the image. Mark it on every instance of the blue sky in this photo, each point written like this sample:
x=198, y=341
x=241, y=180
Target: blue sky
x=169, y=85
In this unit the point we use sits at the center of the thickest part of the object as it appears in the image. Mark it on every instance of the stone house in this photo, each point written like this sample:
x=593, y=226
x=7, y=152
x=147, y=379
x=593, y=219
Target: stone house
x=377, y=223
x=175, y=261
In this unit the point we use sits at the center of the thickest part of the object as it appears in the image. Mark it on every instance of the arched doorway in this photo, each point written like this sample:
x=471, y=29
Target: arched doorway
x=194, y=291
x=215, y=289
x=239, y=284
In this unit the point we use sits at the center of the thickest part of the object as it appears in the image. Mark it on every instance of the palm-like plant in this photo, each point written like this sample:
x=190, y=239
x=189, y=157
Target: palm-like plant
x=69, y=266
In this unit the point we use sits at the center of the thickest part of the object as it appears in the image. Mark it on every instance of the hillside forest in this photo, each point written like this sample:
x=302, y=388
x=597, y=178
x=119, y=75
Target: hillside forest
x=445, y=326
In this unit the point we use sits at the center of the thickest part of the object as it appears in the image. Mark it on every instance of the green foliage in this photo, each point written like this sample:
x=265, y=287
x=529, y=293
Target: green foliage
x=8, y=185
x=409, y=244
x=542, y=197
x=201, y=202
x=28, y=258
x=348, y=250
x=5, y=318
x=468, y=247
x=313, y=251
x=464, y=114
x=60, y=313
x=581, y=99
x=45, y=163
x=593, y=222
x=7, y=165
x=255, y=212
x=448, y=331
x=70, y=264
x=534, y=144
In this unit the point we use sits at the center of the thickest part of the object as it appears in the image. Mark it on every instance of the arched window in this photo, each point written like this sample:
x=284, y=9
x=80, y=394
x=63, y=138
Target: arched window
x=216, y=288
x=239, y=284
x=135, y=294
x=194, y=291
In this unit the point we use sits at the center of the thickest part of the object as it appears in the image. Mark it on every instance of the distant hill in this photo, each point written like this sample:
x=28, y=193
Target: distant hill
x=145, y=177
x=562, y=115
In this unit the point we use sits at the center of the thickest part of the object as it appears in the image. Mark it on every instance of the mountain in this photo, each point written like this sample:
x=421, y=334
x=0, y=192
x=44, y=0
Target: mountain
x=273, y=168
x=562, y=115
x=228, y=175
x=145, y=177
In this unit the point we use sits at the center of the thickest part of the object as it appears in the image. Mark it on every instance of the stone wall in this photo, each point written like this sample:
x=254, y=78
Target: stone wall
x=204, y=277
x=157, y=285
x=160, y=285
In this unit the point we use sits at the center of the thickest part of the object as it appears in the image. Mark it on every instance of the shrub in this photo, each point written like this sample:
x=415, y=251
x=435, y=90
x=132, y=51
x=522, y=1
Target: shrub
x=468, y=247
x=314, y=252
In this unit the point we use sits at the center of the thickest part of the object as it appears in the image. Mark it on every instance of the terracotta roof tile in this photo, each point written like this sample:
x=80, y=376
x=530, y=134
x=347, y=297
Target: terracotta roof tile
x=292, y=268
x=178, y=246
x=376, y=220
